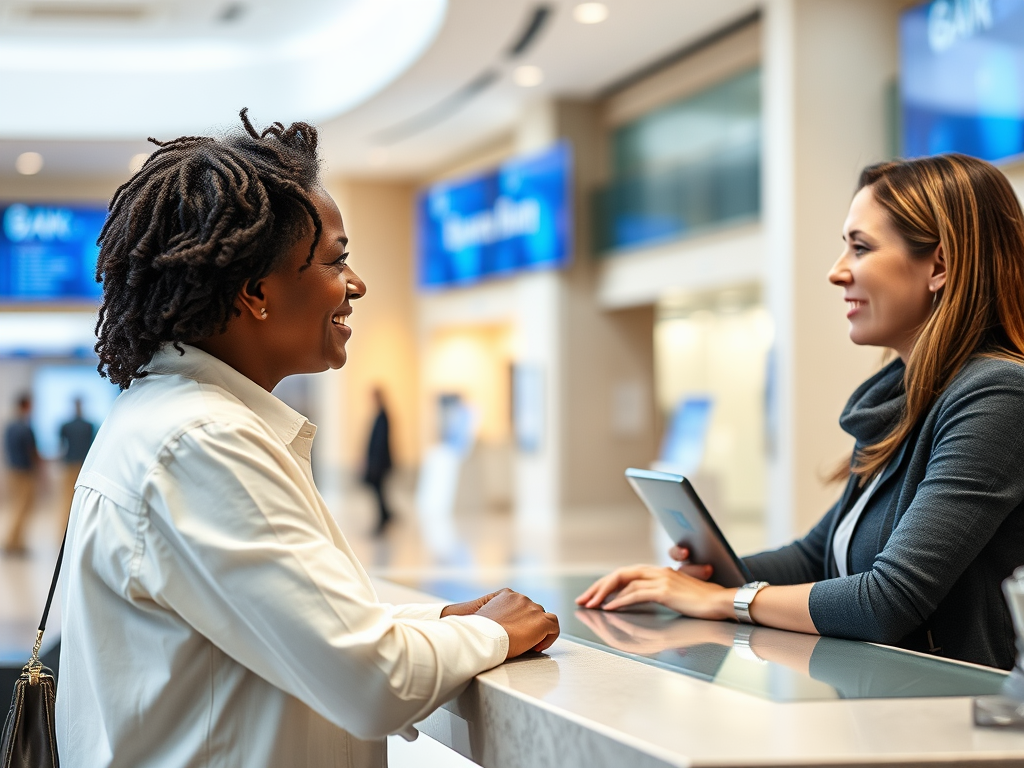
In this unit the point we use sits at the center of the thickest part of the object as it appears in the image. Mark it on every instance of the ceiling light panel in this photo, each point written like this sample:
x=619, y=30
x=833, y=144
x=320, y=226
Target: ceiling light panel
x=187, y=69
x=29, y=163
x=528, y=76
x=590, y=13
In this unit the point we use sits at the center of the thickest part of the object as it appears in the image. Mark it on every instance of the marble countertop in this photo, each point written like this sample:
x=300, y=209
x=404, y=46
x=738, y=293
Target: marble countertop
x=613, y=700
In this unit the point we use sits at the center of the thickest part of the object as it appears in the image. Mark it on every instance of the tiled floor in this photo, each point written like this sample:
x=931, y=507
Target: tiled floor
x=24, y=582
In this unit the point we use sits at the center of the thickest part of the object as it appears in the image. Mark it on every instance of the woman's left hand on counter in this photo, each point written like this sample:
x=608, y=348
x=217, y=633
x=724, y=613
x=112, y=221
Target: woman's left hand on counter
x=672, y=588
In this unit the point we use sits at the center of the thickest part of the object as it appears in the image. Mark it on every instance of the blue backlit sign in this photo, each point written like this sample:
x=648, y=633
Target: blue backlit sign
x=962, y=78
x=48, y=252
x=515, y=218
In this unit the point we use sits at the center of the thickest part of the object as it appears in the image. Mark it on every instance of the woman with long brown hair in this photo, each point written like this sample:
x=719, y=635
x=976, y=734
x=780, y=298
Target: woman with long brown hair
x=932, y=516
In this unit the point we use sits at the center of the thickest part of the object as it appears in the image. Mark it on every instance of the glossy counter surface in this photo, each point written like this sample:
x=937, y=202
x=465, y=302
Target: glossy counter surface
x=649, y=688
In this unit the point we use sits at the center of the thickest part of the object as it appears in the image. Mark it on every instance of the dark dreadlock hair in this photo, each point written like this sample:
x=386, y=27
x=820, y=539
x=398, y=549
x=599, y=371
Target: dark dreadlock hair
x=201, y=220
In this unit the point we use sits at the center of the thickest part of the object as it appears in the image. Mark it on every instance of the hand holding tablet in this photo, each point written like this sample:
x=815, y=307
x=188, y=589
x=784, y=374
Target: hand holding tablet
x=709, y=563
x=675, y=504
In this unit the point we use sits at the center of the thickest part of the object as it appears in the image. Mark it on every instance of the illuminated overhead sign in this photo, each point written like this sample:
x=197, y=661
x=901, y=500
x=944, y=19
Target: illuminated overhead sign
x=48, y=252
x=962, y=78
x=515, y=218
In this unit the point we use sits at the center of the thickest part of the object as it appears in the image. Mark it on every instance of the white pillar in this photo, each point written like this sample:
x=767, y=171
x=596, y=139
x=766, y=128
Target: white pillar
x=539, y=333
x=827, y=67
x=538, y=473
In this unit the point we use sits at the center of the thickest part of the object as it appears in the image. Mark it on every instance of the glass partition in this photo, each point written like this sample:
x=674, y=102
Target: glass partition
x=684, y=168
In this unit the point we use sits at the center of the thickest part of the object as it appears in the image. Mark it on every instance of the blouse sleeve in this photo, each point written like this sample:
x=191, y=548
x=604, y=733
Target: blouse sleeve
x=232, y=545
x=972, y=481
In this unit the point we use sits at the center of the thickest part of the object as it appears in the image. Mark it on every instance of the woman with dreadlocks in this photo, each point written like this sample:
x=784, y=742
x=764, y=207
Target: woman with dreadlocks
x=213, y=612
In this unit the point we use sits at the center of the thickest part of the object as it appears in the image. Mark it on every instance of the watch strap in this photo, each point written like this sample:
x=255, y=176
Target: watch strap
x=744, y=597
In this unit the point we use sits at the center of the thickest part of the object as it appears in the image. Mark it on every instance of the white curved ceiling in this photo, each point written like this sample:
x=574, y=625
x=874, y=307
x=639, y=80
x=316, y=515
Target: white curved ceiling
x=109, y=69
x=432, y=59
x=579, y=61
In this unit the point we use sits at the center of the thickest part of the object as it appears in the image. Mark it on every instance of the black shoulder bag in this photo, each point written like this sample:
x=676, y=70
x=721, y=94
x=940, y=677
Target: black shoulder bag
x=30, y=733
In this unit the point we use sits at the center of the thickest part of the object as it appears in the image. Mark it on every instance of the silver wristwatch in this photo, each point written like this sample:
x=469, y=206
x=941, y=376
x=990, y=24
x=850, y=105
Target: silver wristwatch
x=744, y=597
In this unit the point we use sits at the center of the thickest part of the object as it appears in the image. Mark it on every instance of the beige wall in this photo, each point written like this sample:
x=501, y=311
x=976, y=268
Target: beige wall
x=479, y=159
x=608, y=356
x=474, y=362
x=609, y=370
x=1015, y=173
x=704, y=68
x=31, y=188
x=827, y=67
x=379, y=219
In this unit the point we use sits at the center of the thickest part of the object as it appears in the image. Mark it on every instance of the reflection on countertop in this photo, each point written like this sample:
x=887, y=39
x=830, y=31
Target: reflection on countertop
x=769, y=663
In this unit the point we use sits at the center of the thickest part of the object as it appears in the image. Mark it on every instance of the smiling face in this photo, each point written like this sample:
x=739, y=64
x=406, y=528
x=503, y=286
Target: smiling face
x=889, y=292
x=308, y=306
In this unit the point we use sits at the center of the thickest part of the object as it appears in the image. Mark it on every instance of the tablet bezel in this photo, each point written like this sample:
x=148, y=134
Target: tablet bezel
x=706, y=542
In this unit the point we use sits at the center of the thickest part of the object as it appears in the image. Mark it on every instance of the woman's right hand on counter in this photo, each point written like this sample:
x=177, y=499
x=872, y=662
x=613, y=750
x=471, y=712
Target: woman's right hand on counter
x=528, y=625
x=675, y=589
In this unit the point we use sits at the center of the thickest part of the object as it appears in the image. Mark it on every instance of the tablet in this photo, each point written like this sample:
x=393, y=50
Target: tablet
x=676, y=505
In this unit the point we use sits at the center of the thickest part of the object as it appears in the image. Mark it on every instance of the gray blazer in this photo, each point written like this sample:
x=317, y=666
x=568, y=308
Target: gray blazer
x=943, y=529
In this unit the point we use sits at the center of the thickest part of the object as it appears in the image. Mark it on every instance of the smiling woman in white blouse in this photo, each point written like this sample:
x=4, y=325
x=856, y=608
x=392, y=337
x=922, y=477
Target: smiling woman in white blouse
x=213, y=612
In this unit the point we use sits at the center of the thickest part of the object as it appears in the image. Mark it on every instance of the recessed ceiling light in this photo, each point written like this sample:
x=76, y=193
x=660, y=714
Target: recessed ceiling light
x=590, y=13
x=137, y=160
x=29, y=163
x=527, y=76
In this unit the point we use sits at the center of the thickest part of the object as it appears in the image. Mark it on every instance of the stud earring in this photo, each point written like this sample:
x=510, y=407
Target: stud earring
x=263, y=313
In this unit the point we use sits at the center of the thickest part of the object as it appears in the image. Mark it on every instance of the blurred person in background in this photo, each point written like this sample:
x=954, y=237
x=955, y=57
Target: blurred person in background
x=932, y=517
x=22, y=472
x=213, y=611
x=75, y=438
x=378, y=460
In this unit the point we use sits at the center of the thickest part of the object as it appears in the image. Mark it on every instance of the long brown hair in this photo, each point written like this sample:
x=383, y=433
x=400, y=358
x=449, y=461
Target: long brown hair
x=969, y=208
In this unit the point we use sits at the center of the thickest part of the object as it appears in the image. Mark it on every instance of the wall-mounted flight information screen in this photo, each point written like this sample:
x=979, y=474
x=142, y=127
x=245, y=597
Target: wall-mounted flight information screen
x=962, y=78
x=48, y=252
x=515, y=218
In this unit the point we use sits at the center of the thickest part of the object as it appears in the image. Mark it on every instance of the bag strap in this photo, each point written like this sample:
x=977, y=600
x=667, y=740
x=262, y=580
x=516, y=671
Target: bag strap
x=34, y=665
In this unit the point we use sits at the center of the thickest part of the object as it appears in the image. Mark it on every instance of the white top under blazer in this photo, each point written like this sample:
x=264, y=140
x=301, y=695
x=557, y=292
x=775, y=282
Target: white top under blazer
x=213, y=612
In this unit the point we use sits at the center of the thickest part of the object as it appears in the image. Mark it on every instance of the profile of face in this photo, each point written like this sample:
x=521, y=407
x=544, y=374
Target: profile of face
x=889, y=291
x=305, y=328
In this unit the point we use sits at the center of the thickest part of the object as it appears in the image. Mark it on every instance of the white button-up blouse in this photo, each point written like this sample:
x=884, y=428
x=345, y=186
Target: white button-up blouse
x=213, y=612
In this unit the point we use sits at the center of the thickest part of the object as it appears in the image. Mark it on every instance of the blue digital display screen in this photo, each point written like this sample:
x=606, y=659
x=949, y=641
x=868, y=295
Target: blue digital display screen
x=515, y=218
x=962, y=78
x=48, y=252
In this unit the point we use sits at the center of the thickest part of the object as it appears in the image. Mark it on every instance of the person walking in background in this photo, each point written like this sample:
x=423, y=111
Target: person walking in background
x=75, y=438
x=378, y=460
x=22, y=465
